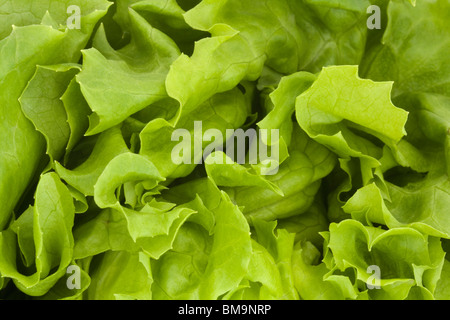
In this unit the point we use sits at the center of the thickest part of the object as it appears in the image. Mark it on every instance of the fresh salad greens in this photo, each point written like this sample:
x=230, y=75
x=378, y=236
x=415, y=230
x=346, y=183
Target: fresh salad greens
x=225, y=149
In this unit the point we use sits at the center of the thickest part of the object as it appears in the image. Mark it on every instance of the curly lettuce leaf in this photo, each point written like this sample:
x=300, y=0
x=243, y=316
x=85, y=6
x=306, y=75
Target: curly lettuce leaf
x=409, y=262
x=329, y=112
x=270, y=273
x=18, y=168
x=117, y=84
x=412, y=52
x=44, y=236
x=77, y=111
x=41, y=103
x=298, y=179
x=280, y=244
x=334, y=32
x=201, y=266
x=331, y=108
x=307, y=226
x=120, y=275
x=281, y=30
x=168, y=16
x=124, y=168
x=427, y=199
x=83, y=177
x=153, y=226
x=135, y=106
x=24, y=13
x=310, y=276
x=159, y=139
x=24, y=49
x=282, y=103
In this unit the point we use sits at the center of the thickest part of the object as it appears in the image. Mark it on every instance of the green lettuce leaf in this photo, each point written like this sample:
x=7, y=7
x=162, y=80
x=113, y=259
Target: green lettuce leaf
x=47, y=111
x=120, y=275
x=137, y=70
x=168, y=16
x=406, y=259
x=298, y=179
x=159, y=139
x=43, y=234
x=205, y=267
x=83, y=177
x=331, y=107
x=427, y=198
x=77, y=111
x=412, y=49
x=224, y=150
x=24, y=49
x=310, y=276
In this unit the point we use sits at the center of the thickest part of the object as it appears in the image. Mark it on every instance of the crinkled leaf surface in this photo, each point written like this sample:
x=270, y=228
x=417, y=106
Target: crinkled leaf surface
x=124, y=175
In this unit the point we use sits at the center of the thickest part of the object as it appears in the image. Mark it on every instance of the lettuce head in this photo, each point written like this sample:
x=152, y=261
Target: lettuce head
x=225, y=149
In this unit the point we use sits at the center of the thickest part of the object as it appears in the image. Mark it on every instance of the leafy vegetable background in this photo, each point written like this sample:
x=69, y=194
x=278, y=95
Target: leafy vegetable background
x=86, y=177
